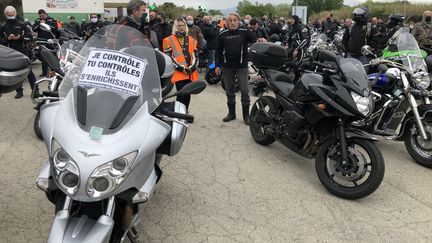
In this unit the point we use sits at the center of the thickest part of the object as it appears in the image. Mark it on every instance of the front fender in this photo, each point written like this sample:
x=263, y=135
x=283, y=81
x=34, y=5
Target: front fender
x=351, y=132
x=67, y=228
x=425, y=110
x=357, y=133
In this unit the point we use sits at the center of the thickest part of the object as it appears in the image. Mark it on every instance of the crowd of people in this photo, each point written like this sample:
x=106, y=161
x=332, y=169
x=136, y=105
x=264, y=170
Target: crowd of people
x=187, y=39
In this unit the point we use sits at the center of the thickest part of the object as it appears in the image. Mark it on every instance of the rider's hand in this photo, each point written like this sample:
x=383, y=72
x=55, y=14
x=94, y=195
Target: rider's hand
x=218, y=71
x=11, y=37
x=188, y=71
x=17, y=37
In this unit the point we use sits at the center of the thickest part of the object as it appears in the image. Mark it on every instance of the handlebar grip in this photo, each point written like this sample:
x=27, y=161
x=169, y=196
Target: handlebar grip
x=172, y=114
x=50, y=93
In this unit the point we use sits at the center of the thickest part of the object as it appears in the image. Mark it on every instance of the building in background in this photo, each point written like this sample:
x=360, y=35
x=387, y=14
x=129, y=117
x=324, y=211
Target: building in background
x=80, y=9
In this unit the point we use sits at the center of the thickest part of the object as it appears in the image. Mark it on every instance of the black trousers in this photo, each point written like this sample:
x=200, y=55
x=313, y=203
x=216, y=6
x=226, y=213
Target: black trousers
x=184, y=99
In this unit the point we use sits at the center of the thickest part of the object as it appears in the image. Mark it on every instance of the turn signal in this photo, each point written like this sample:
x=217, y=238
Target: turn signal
x=322, y=106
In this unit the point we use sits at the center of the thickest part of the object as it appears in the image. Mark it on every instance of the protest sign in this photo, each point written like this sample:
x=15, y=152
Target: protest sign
x=113, y=70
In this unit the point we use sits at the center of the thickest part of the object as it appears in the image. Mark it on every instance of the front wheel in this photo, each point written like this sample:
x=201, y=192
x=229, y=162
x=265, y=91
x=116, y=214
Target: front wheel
x=36, y=125
x=418, y=148
x=359, y=177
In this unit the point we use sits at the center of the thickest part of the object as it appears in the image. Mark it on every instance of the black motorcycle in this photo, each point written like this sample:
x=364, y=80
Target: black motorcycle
x=313, y=118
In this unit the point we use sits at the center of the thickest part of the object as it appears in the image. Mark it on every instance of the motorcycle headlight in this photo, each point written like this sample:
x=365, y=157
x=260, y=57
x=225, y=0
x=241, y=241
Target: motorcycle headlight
x=363, y=103
x=422, y=79
x=66, y=171
x=109, y=176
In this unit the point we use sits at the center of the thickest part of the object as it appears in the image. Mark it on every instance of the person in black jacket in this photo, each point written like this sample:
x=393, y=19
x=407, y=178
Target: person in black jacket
x=73, y=26
x=355, y=37
x=162, y=28
x=92, y=27
x=210, y=33
x=137, y=19
x=297, y=34
x=275, y=28
x=260, y=32
x=45, y=34
x=330, y=27
x=15, y=34
x=232, y=56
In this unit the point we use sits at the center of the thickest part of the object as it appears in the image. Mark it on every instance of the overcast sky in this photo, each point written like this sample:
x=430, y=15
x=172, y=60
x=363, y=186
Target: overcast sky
x=224, y=4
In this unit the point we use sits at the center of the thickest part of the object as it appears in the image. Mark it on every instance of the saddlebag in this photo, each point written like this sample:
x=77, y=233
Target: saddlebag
x=267, y=55
x=14, y=69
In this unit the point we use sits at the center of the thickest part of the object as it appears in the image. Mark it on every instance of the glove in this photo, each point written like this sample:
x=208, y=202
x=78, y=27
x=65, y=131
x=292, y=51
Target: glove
x=188, y=71
x=180, y=68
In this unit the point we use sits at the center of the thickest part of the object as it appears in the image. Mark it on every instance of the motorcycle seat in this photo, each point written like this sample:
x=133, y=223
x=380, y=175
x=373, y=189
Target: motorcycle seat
x=275, y=75
x=283, y=87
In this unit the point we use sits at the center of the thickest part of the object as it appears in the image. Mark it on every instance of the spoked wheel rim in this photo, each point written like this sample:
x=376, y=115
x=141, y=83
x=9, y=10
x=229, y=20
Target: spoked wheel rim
x=356, y=172
x=421, y=146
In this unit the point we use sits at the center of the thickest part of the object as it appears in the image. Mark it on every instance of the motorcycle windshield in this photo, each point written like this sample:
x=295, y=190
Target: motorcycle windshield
x=114, y=75
x=408, y=51
x=72, y=45
x=355, y=75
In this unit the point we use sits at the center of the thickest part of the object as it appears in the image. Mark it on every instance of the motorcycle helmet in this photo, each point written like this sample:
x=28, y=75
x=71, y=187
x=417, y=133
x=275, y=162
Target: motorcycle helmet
x=361, y=15
x=396, y=19
x=274, y=38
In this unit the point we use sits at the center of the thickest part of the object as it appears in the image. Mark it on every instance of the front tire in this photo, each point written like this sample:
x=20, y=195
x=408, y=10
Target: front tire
x=418, y=148
x=36, y=125
x=257, y=124
x=362, y=176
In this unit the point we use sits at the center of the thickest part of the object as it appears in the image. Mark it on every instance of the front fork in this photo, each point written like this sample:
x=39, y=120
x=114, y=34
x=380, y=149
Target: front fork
x=413, y=104
x=342, y=142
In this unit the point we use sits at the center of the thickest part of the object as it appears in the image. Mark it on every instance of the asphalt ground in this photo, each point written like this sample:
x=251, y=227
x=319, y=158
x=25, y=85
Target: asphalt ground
x=223, y=187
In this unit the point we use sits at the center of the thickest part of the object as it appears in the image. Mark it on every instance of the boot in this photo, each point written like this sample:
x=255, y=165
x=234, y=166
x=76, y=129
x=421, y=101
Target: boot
x=245, y=109
x=231, y=113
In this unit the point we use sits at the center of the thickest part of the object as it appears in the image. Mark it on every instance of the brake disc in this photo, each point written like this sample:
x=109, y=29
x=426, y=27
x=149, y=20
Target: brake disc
x=355, y=171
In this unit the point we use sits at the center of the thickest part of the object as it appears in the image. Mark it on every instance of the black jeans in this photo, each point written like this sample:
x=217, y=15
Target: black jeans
x=184, y=99
x=229, y=76
x=31, y=78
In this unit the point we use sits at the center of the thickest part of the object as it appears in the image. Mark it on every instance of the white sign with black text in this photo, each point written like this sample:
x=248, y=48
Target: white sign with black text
x=113, y=70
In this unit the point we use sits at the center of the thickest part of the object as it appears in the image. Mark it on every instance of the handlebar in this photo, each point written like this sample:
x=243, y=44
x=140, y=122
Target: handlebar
x=172, y=114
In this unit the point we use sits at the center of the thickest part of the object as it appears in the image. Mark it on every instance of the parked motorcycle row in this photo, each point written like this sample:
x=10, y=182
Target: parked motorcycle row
x=322, y=107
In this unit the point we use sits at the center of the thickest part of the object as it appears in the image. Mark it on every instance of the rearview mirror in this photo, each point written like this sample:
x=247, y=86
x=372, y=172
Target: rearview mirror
x=366, y=50
x=382, y=68
x=52, y=60
x=45, y=26
x=192, y=88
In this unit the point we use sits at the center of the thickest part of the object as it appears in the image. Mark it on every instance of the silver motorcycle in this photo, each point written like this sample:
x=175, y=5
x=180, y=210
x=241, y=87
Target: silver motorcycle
x=106, y=136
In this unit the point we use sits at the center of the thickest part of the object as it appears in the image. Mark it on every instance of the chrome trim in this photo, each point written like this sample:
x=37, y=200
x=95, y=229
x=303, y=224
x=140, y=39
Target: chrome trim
x=67, y=203
x=414, y=105
x=110, y=207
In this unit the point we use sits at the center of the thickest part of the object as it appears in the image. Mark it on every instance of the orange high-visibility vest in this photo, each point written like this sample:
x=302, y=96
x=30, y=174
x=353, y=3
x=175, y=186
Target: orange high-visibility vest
x=178, y=55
